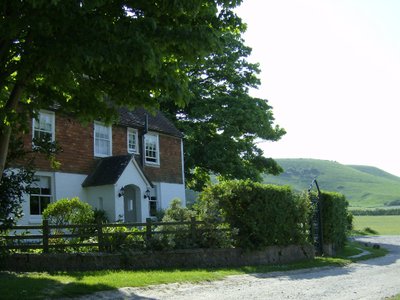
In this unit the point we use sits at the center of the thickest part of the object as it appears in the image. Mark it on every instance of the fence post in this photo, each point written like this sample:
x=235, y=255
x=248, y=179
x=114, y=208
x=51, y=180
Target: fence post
x=100, y=240
x=148, y=231
x=46, y=233
x=193, y=229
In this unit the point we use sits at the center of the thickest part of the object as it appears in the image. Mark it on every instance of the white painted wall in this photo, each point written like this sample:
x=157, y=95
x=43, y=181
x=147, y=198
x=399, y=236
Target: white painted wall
x=170, y=191
x=103, y=197
x=69, y=185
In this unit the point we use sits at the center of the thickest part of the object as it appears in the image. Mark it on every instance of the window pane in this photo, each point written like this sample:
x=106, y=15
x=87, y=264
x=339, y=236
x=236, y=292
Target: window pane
x=153, y=208
x=41, y=195
x=44, y=127
x=131, y=140
x=45, y=185
x=102, y=140
x=153, y=203
x=103, y=147
x=44, y=201
x=34, y=204
x=42, y=135
x=151, y=142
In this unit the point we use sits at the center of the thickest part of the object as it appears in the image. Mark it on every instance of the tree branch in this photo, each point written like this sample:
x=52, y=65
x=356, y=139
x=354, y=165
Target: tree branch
x=5, y=133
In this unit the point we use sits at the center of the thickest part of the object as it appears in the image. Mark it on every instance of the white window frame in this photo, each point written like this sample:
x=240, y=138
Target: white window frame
x=35, y=122
x=153, y=199
x=129, y=133
x=34, y=216
x=154, y=159
x=109, y=140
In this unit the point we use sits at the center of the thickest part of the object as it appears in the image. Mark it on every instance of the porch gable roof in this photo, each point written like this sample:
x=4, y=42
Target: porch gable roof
x=109, y=169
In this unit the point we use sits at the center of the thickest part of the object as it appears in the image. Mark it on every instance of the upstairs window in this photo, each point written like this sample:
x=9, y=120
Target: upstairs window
x=41, y=194
x=152, y=155
x=102, y=140
x=43, y=127
x=133, y=145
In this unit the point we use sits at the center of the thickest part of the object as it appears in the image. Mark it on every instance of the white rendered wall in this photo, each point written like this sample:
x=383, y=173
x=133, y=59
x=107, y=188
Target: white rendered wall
x=170, y=191
x=69, y=185
x=103, y=197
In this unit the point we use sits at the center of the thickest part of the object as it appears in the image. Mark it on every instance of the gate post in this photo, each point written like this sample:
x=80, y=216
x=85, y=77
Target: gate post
x=46, y=233
x=316, y=219
x=148, y=231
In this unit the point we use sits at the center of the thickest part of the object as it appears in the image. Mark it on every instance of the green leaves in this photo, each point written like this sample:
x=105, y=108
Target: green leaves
x=72, y=55
x=222, y=123
x=264, y=215
x=336, y=220
x=115, y=48
x=69, y=211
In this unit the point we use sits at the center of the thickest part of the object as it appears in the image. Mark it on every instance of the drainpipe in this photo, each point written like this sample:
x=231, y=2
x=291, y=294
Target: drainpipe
x=143, y=146
x=183, y=171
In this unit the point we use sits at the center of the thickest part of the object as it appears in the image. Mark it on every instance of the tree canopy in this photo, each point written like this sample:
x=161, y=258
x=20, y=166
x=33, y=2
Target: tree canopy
x=222, y=123
x=89, y=57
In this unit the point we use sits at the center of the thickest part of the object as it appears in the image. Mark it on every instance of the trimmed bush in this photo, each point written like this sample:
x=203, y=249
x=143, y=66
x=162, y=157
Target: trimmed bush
x=69, y=211
x=336, y=220
x=263, y=215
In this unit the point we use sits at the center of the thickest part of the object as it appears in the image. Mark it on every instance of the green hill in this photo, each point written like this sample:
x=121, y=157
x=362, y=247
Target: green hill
x=363, y=186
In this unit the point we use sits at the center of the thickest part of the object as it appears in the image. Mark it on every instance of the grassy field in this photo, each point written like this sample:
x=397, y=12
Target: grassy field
x=70, y=284
x=383, y=225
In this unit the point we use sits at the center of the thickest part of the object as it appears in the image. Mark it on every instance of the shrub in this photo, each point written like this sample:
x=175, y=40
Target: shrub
x=69, y=211
x=336, y=220
x=100, y=215
x=263, y=215
x=181, y=238
x=118, y=239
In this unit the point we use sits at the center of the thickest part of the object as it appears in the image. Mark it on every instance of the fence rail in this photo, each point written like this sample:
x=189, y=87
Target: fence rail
x=97, y=235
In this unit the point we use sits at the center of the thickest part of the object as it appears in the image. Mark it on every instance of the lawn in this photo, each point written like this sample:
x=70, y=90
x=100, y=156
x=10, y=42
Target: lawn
x=70, y=284
x=383, y=225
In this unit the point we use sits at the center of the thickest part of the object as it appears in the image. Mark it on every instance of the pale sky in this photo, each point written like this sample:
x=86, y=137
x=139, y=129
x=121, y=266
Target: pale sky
x=331, y=71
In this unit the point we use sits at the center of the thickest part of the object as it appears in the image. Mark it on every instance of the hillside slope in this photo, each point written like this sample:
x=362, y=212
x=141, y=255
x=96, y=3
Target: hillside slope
x=363, y=186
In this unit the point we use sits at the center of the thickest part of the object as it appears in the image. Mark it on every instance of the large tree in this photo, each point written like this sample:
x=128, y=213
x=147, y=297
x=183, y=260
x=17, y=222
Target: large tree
x=89, y=57
x=222, y=123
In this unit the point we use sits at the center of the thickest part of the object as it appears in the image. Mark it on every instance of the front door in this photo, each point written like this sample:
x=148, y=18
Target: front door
x=131, y=207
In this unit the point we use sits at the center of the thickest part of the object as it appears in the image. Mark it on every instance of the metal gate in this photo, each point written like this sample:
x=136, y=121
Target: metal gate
x=316, y=218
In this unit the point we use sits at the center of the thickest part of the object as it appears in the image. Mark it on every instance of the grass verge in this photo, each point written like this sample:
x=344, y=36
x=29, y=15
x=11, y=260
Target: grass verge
x=373, y=225
x=70, y=284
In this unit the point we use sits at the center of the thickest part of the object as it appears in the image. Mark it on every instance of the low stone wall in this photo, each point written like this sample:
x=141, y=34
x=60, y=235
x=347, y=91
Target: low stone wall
x=190, y=258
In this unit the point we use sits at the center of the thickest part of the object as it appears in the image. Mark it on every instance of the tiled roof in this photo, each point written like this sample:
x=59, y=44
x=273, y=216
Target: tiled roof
x=158, y=122
x=107, y=171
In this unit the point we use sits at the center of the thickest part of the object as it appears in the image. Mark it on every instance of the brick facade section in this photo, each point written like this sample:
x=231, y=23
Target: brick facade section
x=77, y=155
x=170, y=169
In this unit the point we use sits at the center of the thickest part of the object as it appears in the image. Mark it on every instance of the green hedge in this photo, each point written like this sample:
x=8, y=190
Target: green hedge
x=376, y=212
x=336, y=220
x=263, y=215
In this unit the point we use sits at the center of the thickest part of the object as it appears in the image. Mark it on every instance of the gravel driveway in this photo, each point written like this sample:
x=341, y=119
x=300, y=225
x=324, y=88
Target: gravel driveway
x=372, y=279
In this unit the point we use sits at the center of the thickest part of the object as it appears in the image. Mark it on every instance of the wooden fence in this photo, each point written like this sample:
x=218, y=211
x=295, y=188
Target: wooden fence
x=96, y=236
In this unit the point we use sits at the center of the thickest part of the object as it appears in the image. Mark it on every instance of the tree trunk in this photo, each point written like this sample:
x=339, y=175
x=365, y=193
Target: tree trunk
x=5, y=134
